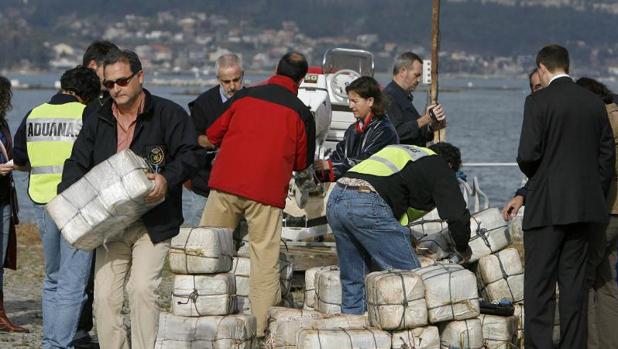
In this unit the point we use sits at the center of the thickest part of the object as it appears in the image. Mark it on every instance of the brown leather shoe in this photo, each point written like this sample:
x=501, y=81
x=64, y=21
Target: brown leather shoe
x=5, y=324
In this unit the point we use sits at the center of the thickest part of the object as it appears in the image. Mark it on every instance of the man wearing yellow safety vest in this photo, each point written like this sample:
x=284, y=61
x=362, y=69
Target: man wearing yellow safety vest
x=372, y=203
x=43, y=142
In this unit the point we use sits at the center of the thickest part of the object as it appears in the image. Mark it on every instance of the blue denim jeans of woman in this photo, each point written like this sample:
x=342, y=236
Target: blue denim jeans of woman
x=66, y=275
x=367, y=235
x=5, y=210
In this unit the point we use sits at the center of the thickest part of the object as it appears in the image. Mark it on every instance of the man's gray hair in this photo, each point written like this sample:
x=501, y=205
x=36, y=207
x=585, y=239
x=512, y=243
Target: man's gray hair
x=227, y=60
x=405, y=60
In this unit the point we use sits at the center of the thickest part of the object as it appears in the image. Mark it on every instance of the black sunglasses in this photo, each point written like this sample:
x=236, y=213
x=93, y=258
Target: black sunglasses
x=122, y=82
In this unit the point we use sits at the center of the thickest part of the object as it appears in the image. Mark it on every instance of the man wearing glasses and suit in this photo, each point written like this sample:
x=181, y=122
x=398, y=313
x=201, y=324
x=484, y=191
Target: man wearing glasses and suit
x=161, y=132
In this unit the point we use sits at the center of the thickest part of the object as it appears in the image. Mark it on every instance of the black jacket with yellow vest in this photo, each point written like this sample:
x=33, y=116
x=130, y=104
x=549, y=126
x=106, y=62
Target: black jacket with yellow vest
x=418, y=182
x=162, y=127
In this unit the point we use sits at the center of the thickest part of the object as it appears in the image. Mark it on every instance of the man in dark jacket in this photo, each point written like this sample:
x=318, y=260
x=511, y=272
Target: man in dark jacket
x=412, y=127
x=265, y=133
x=161, y=132
x=566, y=150
x=204, y=111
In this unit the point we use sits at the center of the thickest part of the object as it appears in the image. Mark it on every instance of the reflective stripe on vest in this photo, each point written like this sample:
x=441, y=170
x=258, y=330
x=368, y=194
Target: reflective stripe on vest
x=390, y=160
x=51, y=130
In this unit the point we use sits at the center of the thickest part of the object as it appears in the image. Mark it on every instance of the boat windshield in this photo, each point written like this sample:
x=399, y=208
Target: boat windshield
x=340, y=58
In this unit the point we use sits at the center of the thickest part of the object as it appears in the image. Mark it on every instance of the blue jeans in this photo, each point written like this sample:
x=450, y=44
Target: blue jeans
x=66, y=275
x=367, y=235
x=5, y=210
x=192, y=207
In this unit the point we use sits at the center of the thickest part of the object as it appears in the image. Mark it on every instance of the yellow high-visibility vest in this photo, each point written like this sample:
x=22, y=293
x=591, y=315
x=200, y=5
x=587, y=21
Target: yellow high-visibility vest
x=51, y=130
x=390, y=160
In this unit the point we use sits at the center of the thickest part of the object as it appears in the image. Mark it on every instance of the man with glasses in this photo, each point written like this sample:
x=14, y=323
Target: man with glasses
x=43, y=142
x=161, y=132
x=204, y=111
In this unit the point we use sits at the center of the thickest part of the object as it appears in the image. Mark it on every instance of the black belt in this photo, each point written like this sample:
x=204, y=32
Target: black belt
x=358, y=188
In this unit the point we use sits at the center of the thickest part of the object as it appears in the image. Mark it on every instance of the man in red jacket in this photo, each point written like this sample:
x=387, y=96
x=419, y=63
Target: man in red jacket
x=264, y=134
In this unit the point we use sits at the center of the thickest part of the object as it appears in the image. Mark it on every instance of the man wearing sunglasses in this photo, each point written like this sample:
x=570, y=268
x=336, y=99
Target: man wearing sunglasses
x=43, y=142
x=204, y=111
x=161, y=132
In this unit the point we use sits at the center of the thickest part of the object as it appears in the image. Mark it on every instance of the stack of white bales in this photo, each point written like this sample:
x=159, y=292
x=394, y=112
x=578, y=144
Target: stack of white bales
x=104, y=202
x=204, y=295
x=241, y=269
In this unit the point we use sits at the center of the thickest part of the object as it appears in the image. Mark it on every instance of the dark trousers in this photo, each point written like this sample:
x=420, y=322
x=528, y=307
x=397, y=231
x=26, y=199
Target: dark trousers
x=556, y=254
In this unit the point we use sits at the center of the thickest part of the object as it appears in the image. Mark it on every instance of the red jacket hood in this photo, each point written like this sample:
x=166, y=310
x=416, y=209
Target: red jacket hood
x=285, y=82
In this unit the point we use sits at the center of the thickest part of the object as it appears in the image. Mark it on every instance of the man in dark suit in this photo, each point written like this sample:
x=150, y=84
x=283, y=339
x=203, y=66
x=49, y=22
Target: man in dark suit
x=567, y=151
x=204, y=111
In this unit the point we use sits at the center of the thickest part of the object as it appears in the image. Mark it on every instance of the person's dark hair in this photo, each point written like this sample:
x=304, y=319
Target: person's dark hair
x=597, y=88
x=448, y=152
x=366, y=87
x=82, y=81
x=534, y=71
x=405, y=60
x=293, y=65
x=553, y=57
x=126, y=56
x=5, y=97
x=97, y=52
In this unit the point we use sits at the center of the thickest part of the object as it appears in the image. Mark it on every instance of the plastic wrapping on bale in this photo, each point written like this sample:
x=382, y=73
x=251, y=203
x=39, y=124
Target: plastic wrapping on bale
x=489, y=233
x=396, y=300
x=430, y=223
x=499, y=332
x=328, y=290
x=241, y=269
x=310, y=286
x=466, y=334
x=210, y=332
x=202, y=250
x=419, y=338
x=285, y=323
x=104, y=202
x=343, y=339
x=450, y=292
x=202, y=295
x=501, y=276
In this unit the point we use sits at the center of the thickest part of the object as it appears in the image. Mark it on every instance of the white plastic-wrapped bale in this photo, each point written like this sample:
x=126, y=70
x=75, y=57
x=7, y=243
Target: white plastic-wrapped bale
x=202, y=295
x=501, y=276
x=328, y=290
x=499, y=332
x=490, y=233
x=202, y=250
x=209, y=332
x=461, y=334
x=450, y=292
x=285, y=323
x=428, y=224
x=241, y=269
x=426, y=337
x=343, y=339
x=104, y=202
x=310, y=286
x=396, y=300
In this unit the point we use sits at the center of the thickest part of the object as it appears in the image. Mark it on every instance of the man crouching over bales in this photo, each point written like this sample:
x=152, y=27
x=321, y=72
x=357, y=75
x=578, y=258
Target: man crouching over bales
x=161, y=132
x=265, y=133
